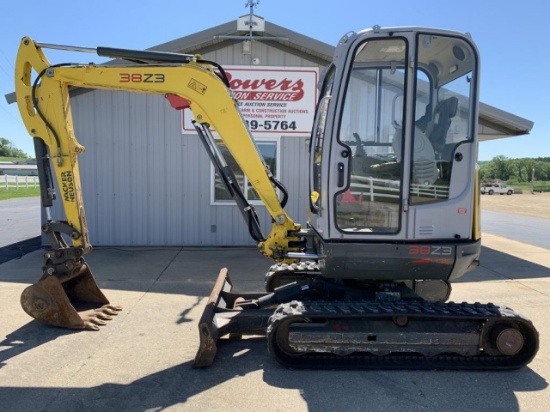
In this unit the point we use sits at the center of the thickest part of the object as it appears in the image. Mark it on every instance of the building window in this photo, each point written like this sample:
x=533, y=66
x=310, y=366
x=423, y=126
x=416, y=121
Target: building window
x=269, y=148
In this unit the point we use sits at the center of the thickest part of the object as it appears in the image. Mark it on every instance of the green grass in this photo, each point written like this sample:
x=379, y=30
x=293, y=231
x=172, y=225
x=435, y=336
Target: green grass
x=13, y=159
x=13, y=193
x=525, y=187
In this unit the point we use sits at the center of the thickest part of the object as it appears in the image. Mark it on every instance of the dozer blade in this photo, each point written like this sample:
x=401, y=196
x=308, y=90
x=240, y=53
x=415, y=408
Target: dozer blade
x=208, y=330
x=222, y=316
x=58, y=302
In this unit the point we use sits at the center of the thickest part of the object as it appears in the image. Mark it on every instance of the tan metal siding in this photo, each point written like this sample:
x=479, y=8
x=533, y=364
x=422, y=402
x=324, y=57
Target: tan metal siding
x=269, y=56
x=295, y=174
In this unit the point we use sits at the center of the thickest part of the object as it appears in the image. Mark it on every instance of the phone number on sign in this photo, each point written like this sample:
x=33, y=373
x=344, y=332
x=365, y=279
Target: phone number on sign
x=271, y=125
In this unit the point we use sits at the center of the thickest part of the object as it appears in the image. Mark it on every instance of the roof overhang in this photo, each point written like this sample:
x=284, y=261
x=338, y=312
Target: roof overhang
x=493, y=123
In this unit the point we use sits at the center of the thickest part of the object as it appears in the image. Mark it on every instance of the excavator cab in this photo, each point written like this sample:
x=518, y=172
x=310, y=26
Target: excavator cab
x=393, y=156
x=394, y=218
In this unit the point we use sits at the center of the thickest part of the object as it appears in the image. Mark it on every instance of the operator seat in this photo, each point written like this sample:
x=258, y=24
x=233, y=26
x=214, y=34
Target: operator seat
x=437, y=130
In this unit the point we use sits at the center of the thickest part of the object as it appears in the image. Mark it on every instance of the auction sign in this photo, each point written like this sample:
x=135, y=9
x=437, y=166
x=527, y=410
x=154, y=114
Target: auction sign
x=274, y=101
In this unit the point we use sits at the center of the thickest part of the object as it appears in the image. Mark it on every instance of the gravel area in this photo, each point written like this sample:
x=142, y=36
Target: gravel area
x=526, y=204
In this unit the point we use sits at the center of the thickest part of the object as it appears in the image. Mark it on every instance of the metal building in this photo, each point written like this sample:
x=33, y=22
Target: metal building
x=146, y=177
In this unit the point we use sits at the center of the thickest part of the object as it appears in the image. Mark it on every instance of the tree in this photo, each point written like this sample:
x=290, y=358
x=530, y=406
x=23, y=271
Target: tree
x=7, y=150
x=502, y=167
x=515, y=170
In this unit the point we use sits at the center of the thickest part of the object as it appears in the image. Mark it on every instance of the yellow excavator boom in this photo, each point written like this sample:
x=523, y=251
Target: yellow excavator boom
x=43, y=97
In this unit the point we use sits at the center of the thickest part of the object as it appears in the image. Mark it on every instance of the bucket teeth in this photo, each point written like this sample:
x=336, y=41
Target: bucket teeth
x=58, y=304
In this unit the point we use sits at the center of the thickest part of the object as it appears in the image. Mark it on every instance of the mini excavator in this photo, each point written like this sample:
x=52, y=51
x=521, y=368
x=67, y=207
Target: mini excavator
x=393, y=205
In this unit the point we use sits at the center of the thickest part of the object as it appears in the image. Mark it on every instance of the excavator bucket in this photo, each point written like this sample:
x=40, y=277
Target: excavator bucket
x=73, y=302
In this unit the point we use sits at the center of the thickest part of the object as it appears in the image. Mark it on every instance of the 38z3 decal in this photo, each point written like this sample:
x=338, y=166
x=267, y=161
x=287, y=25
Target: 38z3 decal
x=141, y=78
x=430, y=250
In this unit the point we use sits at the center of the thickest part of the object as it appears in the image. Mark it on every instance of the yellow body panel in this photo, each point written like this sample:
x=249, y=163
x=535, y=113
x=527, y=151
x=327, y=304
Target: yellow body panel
x=477, y=206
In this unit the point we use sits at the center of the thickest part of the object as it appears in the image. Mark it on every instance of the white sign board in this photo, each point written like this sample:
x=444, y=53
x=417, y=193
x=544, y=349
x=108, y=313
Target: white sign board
x=248, y=22
x=274, y=101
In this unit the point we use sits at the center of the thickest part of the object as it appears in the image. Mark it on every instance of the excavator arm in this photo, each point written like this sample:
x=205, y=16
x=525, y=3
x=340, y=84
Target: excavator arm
x=43, y=97
x=46, y=112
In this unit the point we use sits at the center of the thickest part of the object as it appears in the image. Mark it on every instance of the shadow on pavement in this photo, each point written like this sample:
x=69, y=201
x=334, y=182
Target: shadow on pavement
x=321, y=390
x=34, y=334
x=19, y=249
x=28, y=337
x=497, y=265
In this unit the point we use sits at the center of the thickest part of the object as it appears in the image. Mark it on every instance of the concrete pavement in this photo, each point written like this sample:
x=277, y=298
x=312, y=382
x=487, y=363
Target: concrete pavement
x=19, y=220
x=142, y=359
x=19, y=227
x=532, y=230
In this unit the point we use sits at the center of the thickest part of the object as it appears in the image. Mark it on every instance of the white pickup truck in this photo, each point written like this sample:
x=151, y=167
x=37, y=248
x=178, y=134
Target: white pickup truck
x=492, y=188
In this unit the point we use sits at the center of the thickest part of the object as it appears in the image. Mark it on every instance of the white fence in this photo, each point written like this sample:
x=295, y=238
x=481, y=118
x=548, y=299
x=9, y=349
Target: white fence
x=18, y=182
x=369, y=188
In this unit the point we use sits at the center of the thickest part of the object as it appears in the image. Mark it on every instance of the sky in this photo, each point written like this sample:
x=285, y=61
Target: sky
x=511, y=35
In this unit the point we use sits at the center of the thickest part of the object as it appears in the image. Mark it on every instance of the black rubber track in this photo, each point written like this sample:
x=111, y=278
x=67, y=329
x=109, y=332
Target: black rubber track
x=485, y=314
